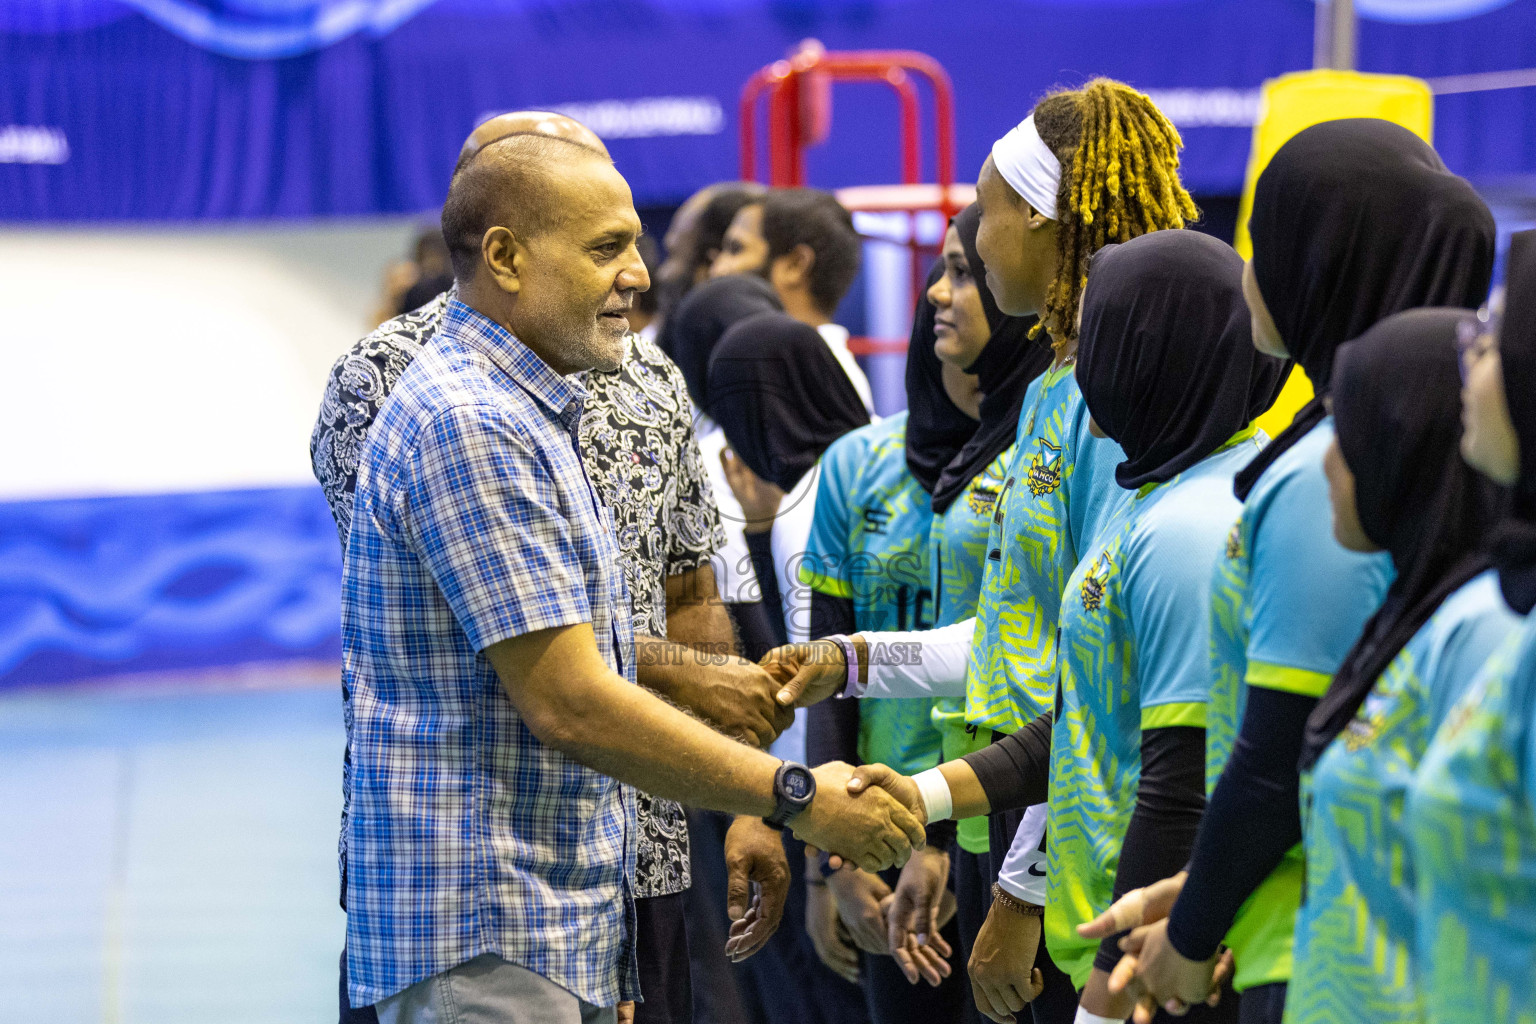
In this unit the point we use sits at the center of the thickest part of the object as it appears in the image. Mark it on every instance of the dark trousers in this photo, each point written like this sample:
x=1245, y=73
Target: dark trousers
x=366, y=1014
x=973, y=897
x=784, y=982
x=661, y=949
x=1262, y=1004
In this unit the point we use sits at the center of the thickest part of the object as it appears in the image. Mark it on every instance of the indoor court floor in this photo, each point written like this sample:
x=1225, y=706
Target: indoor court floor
x=168, y=849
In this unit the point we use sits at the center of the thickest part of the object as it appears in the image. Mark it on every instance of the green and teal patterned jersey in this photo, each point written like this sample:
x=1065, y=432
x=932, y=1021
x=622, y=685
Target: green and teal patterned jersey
x=1354, y=957
x=1472, y=819
x=1060, y=491
x=1133, y=657
x=957, y=549
x=1287, y=603
x=869, y=543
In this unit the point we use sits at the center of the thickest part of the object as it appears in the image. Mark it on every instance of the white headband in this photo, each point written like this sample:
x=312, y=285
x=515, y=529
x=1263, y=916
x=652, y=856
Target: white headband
x=1027, y=163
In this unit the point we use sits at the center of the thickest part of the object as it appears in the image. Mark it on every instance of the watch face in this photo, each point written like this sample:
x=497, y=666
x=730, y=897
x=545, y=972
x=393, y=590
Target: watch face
x=797, y=784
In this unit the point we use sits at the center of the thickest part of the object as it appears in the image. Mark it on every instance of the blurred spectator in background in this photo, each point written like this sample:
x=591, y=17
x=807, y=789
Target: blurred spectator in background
x=693, y=241
x=414, y=282
x=802, y=241
x=642, y=313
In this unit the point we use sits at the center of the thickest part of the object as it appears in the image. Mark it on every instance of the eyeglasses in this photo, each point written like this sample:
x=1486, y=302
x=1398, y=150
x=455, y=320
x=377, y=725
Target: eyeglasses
x=1478, y=334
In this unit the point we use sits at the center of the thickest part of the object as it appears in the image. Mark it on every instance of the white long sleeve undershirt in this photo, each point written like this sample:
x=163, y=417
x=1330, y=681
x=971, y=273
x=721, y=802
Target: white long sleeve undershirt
x=1023, y=871
x=923, y=663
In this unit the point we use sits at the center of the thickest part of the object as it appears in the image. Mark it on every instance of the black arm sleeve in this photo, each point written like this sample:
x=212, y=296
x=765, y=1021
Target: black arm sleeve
x=1253, y=819
x=1015, y=771
x=1169, y=801
x=761, y=547
x=941, y=834
x=831, y=727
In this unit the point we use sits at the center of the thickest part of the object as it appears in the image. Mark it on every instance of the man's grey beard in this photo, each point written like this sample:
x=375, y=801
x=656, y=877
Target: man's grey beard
x=597, y=352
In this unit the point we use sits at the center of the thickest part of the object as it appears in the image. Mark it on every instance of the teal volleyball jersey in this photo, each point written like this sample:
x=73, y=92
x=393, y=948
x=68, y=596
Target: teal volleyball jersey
x=1059, y=494
x=1472, y=819
x=1354, y=957
x=869, y=543
x=1134, y=638
x=957, y=549
x=1287, y=603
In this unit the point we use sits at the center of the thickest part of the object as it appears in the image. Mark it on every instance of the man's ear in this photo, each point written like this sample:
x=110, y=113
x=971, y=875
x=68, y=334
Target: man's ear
x=504, y=258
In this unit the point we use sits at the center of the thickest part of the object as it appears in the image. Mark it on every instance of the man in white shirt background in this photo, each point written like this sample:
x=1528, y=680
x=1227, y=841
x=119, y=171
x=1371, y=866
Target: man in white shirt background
x=803, y=242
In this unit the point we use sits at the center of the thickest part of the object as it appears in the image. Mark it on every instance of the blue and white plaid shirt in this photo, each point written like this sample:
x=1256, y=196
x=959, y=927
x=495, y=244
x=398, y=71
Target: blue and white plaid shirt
x=475, y=522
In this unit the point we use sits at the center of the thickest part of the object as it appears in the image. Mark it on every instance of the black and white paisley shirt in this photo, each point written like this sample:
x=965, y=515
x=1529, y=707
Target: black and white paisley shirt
x=638, y=445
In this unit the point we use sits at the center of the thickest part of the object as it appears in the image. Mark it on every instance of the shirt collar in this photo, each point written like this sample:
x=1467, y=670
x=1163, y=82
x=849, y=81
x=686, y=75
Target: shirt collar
x=835, y=335
x=513, y=358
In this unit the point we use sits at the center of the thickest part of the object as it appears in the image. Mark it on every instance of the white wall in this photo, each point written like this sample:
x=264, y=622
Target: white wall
x=151, y=361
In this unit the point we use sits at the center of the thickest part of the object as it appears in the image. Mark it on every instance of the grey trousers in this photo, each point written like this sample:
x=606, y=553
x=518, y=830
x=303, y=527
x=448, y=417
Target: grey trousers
x=489, y=990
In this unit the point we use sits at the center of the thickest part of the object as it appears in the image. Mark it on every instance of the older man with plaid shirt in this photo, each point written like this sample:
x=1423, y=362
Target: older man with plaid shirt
x=488, y=649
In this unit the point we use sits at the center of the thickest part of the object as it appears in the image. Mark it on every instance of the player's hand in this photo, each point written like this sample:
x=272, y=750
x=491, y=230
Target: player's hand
x=806, y=673
x=881, y=776
x=917, y=914
x=1002, y=966
x=737, y=697
x=1165, y=977
x=1136, y=908
x=871, y=829
x=757, y=883
x=828, y=936
x=859, y=895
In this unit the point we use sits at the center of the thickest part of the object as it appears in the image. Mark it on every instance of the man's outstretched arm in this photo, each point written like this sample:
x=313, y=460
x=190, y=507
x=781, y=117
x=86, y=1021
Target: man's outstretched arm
x=572, y=701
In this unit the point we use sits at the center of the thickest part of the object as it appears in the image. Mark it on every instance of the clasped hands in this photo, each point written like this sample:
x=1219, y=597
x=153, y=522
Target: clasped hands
x=856, y=910
x=1152, y=971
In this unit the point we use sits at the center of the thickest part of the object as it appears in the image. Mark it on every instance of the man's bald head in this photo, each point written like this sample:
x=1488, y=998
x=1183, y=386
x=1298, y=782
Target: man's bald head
x=513, y=182
x=527, y=122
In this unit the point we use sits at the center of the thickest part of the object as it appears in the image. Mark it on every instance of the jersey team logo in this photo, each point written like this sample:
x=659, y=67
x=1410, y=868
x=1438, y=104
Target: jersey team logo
x=1045, y=475
x=1095, y=583
x=1235, y=542
x=983, y=499
x=876, y=520
x=1361, y=732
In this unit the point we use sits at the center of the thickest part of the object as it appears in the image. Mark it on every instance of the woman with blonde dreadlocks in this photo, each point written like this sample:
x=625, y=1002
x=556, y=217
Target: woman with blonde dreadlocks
x=1084, y=170
x=1088, y=167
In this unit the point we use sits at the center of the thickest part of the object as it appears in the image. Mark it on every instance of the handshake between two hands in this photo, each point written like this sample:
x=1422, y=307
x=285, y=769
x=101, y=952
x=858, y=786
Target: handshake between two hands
x=870, y=816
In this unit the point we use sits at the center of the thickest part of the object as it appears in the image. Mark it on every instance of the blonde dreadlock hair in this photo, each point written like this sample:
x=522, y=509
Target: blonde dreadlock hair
x=1119, y=178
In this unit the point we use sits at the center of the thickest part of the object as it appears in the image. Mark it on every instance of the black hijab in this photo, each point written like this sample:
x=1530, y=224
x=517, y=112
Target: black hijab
x=1165, y=354
x=1397, y=411
x=700, y=320
x=780, y=395
x=1354, y=220
x=936, y=428
x=1003, y=371
x=1514, y=547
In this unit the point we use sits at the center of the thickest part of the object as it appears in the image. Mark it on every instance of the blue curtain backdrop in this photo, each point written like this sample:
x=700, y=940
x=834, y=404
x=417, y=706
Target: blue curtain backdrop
x=223, y=109
x=155, y=583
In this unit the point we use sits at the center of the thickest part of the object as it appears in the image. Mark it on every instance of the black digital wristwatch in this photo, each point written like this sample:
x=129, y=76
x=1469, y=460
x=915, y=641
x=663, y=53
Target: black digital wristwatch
x=794, y=787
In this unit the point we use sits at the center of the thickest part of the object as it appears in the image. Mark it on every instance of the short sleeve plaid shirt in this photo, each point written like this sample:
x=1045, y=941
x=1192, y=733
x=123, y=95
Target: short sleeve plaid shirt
x=475, y=522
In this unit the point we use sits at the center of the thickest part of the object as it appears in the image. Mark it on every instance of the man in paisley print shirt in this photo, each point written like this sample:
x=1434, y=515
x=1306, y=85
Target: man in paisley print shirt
x=638, y=446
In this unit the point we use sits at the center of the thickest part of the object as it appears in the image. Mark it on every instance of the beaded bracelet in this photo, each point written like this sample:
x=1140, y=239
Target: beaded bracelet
x=1013, y=903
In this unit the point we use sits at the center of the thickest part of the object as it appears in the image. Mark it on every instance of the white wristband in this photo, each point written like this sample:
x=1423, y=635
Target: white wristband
x=1084, y=1017
x=936, y=796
